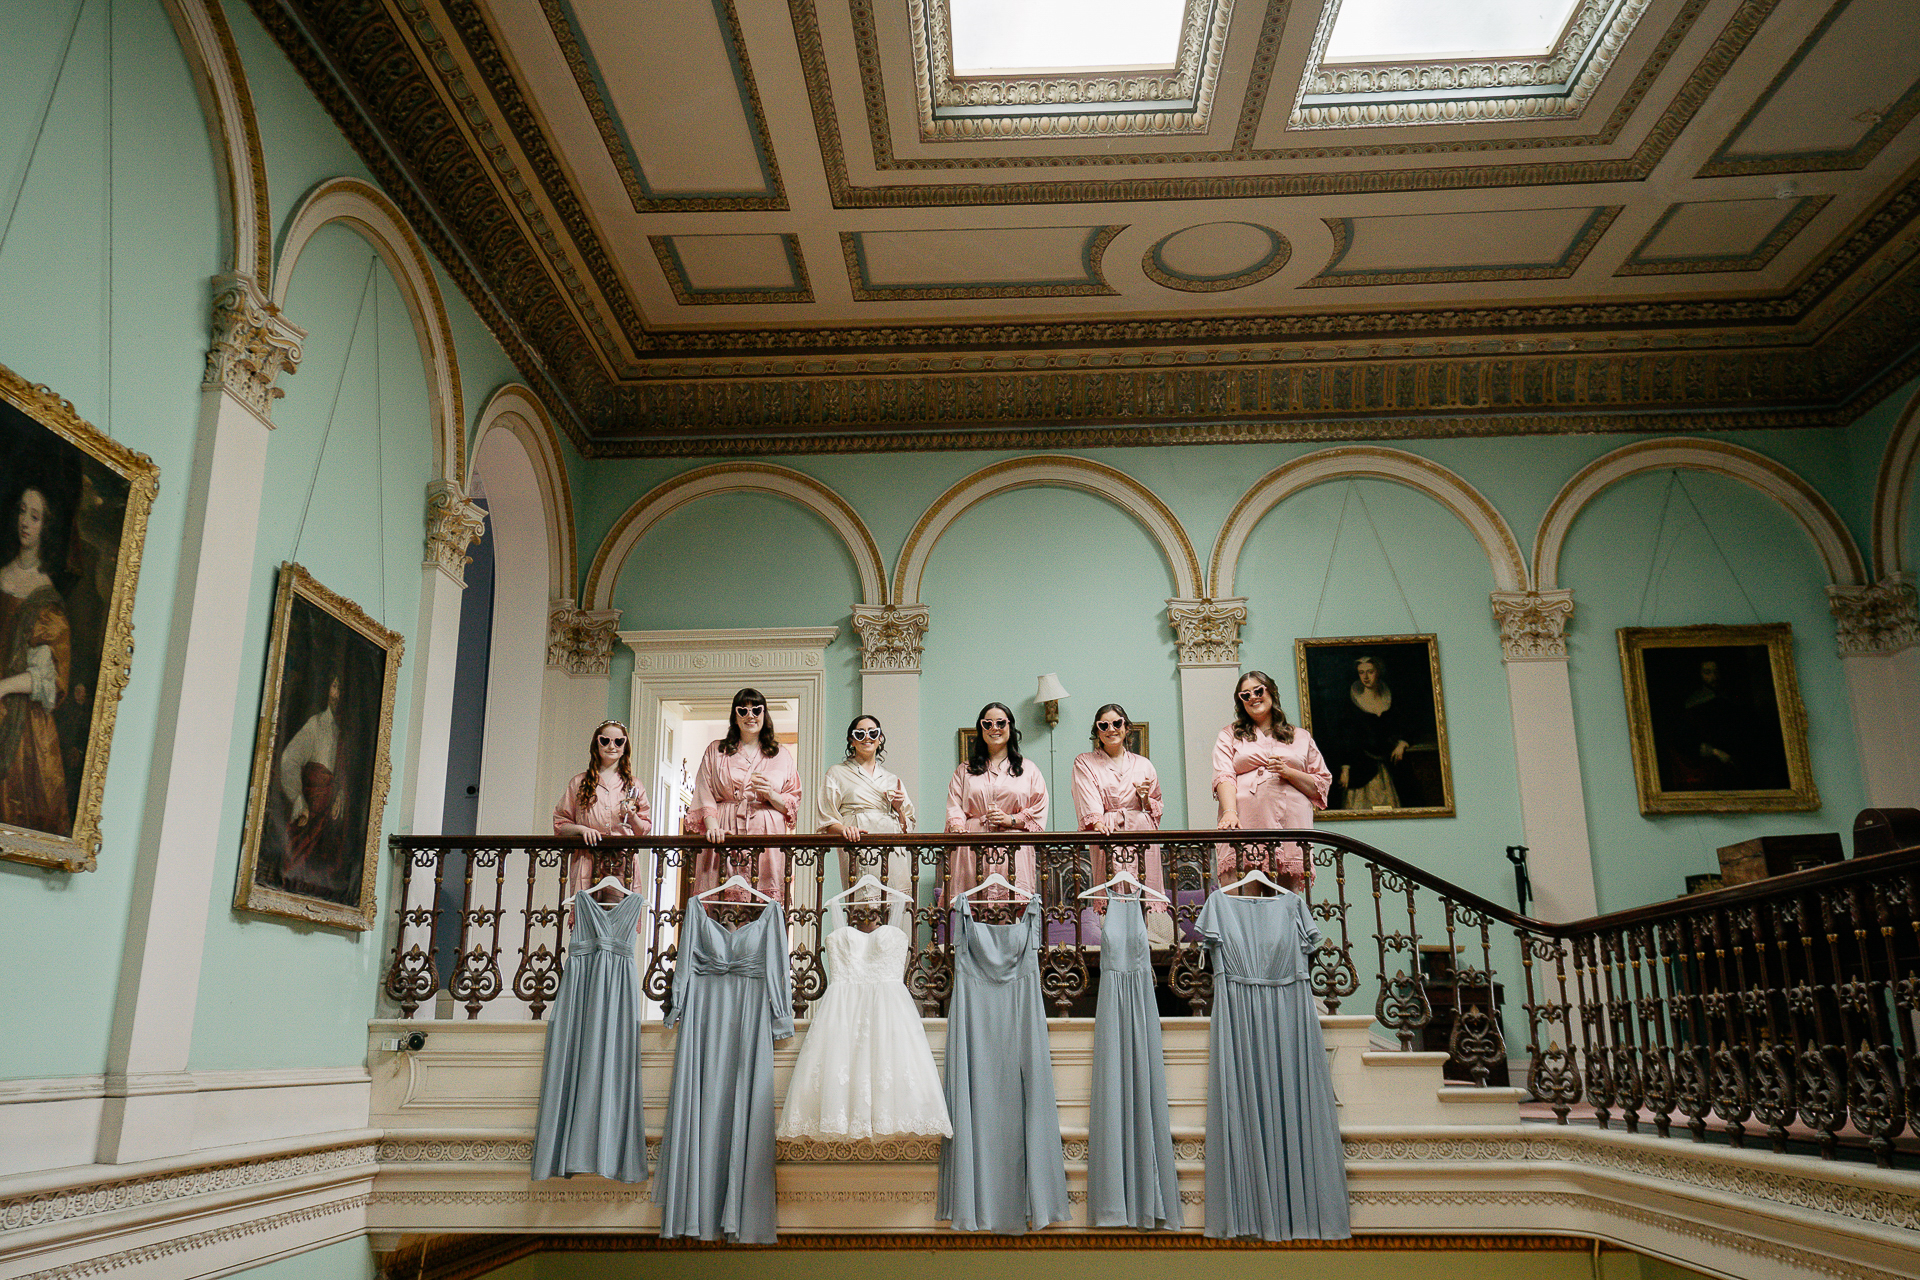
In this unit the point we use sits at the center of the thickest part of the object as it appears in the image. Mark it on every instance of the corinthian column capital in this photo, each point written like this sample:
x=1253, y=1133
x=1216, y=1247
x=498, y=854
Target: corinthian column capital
x=252, y=345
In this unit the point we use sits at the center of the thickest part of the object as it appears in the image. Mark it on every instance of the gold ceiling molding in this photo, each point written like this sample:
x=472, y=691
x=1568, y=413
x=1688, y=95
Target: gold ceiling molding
x=1154, y=266
x=667, y=253
x=1460, y=91
x=1066, y=104
x=1332, y=277
x=852, y=249
x=1791, y=224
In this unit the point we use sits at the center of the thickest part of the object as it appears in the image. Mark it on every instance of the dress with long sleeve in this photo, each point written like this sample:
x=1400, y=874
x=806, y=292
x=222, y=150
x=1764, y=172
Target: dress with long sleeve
x=1267, y=801
x=722, y=798
x=852, y=794
x=970, y=795
x=1131, y=1179
x=1370, y=729
x=732, y=998
x=591, y=1119
x=35, y=640
x=1003, y=1169
x=613, y=811
x=1275, y=1168
x=1104, y=784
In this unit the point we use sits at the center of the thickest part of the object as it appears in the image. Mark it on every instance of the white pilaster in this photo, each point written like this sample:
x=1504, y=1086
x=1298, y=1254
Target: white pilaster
x=452, y=525
x=891, y=637
x=1553, y=803
x=1878, y=628
x=1207, y=638
x=142, y=1117
x=579, y=665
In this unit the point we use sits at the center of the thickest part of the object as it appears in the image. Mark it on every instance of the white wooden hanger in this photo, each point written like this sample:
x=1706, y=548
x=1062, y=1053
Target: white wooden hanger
x=734, y=881
x=868, y=881
x=610, y=882
x=995, y=879
x=1125, y=877
x=1255, y=876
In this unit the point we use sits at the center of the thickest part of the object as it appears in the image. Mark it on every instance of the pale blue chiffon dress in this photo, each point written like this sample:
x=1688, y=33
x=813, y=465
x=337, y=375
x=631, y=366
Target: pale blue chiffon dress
x=1131, y=1179
x=1002, y=1170
x=732, y=998
x=1275, y=1168
x=590, y=1118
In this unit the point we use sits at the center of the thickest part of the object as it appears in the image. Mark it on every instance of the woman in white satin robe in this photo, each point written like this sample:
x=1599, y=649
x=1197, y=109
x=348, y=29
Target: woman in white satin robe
x=860, y=798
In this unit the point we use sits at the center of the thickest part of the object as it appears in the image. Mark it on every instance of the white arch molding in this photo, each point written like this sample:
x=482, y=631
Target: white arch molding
x=1368, y=462
x=516, y=410
x=1054, y=472
x=368, y=211
x=734, y=477
x=221, y=81
x=1835, y=545
x=1893, y=493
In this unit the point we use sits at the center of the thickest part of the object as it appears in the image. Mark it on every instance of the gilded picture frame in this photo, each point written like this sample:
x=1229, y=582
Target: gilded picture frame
x=82, y=498
x=1386, y=745
x=1715, y=719
x=321, y=759
x=1137, y=740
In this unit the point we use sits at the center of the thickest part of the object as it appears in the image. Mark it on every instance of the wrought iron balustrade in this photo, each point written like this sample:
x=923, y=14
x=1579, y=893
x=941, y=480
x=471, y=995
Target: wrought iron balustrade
x=1791, y=1001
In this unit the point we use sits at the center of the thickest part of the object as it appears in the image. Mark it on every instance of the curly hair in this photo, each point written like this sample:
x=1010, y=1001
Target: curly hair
x=591, y=778
x=1243, y=726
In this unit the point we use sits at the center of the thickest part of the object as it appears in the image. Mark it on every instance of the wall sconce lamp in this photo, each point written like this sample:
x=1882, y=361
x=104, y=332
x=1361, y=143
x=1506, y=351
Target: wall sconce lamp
x=1048, y=695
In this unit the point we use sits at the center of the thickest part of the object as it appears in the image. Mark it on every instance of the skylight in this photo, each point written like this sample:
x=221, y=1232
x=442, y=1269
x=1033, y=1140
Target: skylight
x=1030, y=35
x=1382, y=30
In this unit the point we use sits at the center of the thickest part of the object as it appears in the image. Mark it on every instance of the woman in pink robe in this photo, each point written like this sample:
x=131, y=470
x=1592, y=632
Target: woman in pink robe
x=747, y=785
x=602, y=800
x=1117, y=790
x=1267, y=775
x=995, y=790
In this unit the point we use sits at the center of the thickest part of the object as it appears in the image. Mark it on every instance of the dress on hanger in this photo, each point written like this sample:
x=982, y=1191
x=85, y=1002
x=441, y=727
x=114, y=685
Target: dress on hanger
x=865, y=1069
x=590, y=1118
x=1131, y=1180
x=732, y=998
x=1002, y=1170
x=1275, y=1168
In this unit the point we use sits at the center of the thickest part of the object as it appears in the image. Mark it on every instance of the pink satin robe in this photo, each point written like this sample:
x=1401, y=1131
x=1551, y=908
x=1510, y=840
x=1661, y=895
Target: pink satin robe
x=607, y=814
x=723, y=800
x=1103, y=785
x=1266, y=801
x=969, y=797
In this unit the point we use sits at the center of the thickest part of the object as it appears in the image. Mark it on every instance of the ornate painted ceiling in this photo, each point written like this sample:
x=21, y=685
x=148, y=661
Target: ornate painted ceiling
x=752, y=226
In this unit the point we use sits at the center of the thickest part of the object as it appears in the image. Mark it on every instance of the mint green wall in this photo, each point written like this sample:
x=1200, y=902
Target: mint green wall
x=375, y=466
x=1042, y=580
x=1608, y=556
x=344, y=1260
x=54, y=284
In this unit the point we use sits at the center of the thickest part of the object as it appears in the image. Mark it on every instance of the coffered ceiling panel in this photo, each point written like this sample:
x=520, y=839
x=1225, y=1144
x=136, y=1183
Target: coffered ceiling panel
x=778, y=225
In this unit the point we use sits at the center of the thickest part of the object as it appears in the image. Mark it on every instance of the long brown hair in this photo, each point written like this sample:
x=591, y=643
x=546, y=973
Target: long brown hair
x=591, y=778
x=1243, y=726
x=769, y=745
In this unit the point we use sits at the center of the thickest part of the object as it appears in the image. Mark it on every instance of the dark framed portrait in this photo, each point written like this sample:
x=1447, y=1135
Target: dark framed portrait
x=1136, y=739
x=76, y=504
x=1716, y=720
x=321, y=767
x=1373, y=705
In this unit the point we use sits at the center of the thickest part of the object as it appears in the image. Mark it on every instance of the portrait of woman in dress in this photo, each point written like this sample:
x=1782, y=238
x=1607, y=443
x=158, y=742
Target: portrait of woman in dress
x=1115, y=789
x=36, y=662
x=747, y=785
x=860, y=797
x=1267, y=775
x=602, y=800
x=994, y=789
x=1373, y=741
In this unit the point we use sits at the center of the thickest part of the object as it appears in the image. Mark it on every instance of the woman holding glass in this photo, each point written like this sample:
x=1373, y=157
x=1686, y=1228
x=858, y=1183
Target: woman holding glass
x=995, y=790
x=602, y=800
x=1267, y=775
x=1115, y=789
x=747, y=785
x=859, y=797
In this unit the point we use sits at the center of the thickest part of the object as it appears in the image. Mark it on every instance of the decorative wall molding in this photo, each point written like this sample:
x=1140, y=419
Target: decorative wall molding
x=1533, y=624
x=253, y=344
x=580, y=641
x=727, y=651
x=734, y=477
x=515, y=408
x=891, y=636
x=1881, y=617
x=453, y=524
x=1893, y=491
x=1207, y=631
x=174, y=1247
x=1052, y=471
x=378, y=220
x=1831, y=539
x=1364, y=462
x=221, y=78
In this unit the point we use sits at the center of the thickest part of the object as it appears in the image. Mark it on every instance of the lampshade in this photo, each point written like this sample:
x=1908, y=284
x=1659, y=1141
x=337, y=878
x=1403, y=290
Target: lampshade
x=1050, y=690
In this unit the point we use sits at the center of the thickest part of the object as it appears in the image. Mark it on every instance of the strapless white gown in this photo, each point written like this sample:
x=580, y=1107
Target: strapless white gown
x=865, y=1069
